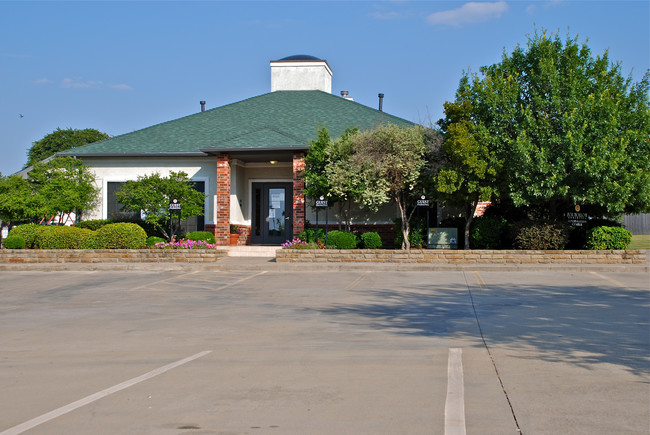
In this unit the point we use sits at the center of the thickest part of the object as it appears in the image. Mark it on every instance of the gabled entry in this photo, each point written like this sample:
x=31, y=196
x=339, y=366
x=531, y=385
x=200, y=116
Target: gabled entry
x=272, y=222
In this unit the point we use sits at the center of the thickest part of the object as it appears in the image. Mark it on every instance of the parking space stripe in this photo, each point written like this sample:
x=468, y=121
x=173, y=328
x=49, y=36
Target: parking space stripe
x=455, y=403
x=94, y=397
x=357, y=281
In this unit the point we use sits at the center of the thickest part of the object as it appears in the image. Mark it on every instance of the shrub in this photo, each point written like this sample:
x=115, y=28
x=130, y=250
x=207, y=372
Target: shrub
x=94, y=224
x=486, y=232
x=615, y=238
x=341, y=240
x=154, y=240
x=67, y=238
x=417, y=232
x=542, y=236
x=203, y=236
x=371, y=240
x=309, y=235
x=301, y=244
x=31, y=233
x=121, y=236
x=14, y=242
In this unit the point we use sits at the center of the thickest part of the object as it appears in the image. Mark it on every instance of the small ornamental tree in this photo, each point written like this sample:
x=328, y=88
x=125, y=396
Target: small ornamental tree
x=387, y=163
x=63, y=186
x=152, y=194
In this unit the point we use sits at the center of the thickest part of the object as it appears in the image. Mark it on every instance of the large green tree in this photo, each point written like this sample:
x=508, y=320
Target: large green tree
x=559, y=126
x=61, y=140
x=152, y=195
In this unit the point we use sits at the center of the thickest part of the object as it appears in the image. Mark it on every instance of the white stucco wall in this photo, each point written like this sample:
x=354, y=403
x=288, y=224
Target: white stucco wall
x=116, y=169
x=301, y=76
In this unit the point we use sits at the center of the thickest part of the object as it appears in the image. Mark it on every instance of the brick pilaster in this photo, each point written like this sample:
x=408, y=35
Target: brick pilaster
x=222, y=230
x=298, y=194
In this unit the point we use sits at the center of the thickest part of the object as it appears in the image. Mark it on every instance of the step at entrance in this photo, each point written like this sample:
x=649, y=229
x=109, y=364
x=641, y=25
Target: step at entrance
x=252, y=251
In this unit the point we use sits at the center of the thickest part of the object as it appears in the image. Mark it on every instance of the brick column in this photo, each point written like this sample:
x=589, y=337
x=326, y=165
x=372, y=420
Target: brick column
x=222, y=230
x=298, y=194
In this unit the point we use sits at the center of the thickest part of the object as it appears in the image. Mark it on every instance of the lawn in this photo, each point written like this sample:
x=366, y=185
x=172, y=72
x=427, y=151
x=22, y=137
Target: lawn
x=640, y=242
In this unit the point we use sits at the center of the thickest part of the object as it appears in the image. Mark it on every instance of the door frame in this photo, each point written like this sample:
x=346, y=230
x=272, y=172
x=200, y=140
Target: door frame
x=265, y=185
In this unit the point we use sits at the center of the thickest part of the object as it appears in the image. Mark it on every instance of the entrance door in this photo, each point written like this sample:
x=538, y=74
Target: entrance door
x=272, y=213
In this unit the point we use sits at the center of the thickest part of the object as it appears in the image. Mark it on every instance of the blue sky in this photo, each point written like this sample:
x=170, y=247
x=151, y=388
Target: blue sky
x=121, y=66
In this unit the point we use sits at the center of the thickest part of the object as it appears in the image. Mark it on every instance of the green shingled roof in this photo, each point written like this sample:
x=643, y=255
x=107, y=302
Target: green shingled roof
x=277, y=120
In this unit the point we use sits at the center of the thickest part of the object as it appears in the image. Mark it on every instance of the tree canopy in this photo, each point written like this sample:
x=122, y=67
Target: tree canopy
x=550, y=126
x=61, y=140
x=152, y=195
x=55, y=188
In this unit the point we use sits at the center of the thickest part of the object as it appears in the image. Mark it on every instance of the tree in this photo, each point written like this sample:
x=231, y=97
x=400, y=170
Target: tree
x=323, y=154
x=17, y=201
x=385, y=165
x=61, y=140
x=558, y=126
x=467, y=171
x=152, y=195
x=63, y=186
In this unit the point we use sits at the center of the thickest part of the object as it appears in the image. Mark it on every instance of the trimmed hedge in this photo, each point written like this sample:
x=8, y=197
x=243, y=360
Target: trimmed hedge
x=201, y=236
x=121, y=236
x=67, y=238
x=614, y=238
x=341, y=240
x=31, y=233
x=542, y=236
x=371, y=240
x=94, y=224
x=14, y=242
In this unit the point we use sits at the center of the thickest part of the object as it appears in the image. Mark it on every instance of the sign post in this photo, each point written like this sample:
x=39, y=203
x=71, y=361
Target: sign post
x=174, y=209
x=322, y=203
x=422, y=202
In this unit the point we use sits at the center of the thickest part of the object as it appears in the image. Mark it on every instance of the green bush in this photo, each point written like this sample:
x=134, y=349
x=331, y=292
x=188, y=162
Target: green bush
x=67, y=238
x=542, y=236
x=201, y=236
x=94, y=224
x=487, y=232
x=151, y=241
x=614, y=238
x=341, y=240
x=31, y=233
x=14, y=242
x=309, y=235
x=121, y=236
x=371, y=240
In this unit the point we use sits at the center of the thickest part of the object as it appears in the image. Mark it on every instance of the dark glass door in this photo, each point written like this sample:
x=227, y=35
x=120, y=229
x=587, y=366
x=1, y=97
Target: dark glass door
x=272, y=213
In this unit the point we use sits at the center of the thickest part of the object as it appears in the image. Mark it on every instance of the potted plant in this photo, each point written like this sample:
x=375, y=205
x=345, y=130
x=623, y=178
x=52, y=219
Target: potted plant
x=234, y=235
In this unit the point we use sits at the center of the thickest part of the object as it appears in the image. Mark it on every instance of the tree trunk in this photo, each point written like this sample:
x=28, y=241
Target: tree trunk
x=405, y=223
x=468, y=222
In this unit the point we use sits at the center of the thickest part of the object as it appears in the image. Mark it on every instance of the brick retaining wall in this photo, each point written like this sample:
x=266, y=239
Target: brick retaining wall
x=461, y=257
x=16, y=256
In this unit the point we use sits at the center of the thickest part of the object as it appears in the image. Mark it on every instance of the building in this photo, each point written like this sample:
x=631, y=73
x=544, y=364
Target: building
x=247, y=156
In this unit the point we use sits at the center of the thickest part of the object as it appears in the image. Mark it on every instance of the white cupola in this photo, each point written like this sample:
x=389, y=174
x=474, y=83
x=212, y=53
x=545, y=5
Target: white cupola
x=301, y=73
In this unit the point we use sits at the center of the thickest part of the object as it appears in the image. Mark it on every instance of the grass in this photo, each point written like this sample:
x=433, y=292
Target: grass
x=640, y=242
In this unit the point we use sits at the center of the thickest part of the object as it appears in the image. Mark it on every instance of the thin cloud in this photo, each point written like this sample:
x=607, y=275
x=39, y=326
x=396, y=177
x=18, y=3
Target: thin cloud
x=43, y=81
x=79, y=84
x=472, y=12
x=388, y=15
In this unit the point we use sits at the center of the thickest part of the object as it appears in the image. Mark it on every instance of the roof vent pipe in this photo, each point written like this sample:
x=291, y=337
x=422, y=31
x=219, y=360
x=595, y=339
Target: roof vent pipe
x=381, y=102
x=202, y=106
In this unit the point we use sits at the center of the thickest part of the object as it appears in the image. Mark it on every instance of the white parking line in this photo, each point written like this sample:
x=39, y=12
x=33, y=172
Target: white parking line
x=455, y=404
x=94, y=397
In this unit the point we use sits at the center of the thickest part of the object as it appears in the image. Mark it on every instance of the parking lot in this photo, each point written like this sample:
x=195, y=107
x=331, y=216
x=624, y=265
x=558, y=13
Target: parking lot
x=309, y=352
